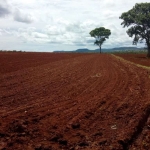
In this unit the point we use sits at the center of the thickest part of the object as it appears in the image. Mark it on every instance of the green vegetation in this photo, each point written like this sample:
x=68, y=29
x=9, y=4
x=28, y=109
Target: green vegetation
x=139, y=20
x=100, y=34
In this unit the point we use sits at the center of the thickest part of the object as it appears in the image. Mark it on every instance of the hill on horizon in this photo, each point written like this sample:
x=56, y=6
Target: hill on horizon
x=104, y=50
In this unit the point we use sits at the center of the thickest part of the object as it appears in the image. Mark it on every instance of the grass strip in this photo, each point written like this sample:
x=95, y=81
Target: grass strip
x=127, y=61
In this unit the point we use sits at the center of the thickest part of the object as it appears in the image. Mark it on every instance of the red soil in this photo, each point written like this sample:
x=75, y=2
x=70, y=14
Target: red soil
x=72, y=101
x=136, y=58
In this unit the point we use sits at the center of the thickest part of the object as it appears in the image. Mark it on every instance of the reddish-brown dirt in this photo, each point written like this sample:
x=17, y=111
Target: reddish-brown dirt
x=136, y=58
x=73, y=102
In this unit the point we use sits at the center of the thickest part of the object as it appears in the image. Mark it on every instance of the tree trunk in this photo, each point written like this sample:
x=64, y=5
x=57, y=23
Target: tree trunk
x=148, y=49
x=100, y=49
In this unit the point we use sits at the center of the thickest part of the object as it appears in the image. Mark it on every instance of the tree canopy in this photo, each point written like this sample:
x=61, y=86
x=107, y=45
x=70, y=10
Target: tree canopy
x=139, y=20
x=100, y=34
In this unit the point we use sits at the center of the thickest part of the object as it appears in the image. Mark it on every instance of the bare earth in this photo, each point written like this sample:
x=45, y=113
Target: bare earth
x=136, y=58
x=73, y=101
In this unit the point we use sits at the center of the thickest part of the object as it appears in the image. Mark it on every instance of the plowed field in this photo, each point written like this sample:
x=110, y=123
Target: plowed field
x=73, y=102
x=136, y=58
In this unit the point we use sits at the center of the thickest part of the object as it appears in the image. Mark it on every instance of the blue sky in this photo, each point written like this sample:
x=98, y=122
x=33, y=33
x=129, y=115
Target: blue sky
x=48, y=25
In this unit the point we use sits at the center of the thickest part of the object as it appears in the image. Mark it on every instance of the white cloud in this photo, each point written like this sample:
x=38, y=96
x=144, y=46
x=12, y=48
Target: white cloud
x=20, y=16
x=39, y=35
x=4, y=8
x=1, y=32
x=63, y=24
x=54, y=30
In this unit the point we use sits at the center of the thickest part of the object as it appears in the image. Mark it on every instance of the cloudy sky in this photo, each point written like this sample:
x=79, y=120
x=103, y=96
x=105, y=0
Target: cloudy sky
x=48, y=25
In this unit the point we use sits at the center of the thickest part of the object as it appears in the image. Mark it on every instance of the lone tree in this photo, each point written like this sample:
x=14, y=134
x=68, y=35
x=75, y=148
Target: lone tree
x=139, y=20
x=100, y=34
